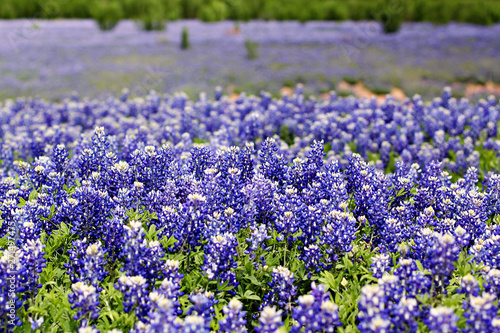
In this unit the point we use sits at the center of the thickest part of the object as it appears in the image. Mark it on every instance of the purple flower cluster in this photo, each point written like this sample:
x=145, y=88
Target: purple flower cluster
x=315, y=312
x=442, y=319
x=219, y=258
x=234, y=320
x=385, y=308
x=85, y=299
x=282, y=290
x=87, y=263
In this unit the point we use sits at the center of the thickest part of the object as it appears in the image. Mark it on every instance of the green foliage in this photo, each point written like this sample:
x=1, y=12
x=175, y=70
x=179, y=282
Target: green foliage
x=153, y=13
x=252, y=49
x=214, y=11
x=391, y=15
x=351, y=80
x=287, y=135
x=185, y=39
x=107, y=14
x=336, y=11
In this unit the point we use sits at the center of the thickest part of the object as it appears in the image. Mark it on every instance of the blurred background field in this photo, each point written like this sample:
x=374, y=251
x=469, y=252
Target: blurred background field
x=51, y=48
x=53, y=58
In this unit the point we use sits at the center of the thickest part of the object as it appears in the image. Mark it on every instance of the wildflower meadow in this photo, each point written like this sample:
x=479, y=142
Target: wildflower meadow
x=164, y=213
x=260, y=166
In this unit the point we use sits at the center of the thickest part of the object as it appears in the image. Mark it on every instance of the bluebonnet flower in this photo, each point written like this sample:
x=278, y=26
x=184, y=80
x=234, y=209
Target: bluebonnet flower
x=8, y=208
x=487, y=251
x=380, y=265
x=85, y=298
x=112, y=237
x=479, y=312
x=469, y=286
x=92, y=159
x=138, y=158
x=7, y=157
x=142, y=327
x=258, y=236
x=470, y=211
x=171, y=271
x=191, y=221
x=371, y=307
x=10, y=264
x=495, y=324
x=405, y=317
x=281, y=289
x=311, y=256
x=259, y=191
x=7, y=184
x=203, y=307
x=33, y=263
x=492, y=192
x=328, y=186
x=414, y=281
x=269, y=321
x=377, y=325
x=202, y=158
x=272, y=165
x=86, y=263
x=370, y=191
x=438, y=253
x=385, y=307
x=303, y=173
x=142, y=258
x=37, y=147
x=218, y=93
x=87, y=329
x=394, y=298
x=135, y=293
x=331, y=185
x=219, y=262
x=60, y=159
x=32, y=219
x=39, y=175
x=462, y=236
x=337, y=233
x=316, y=312
x=119, y=176
x=491, y=282
x=311, y=222
x=150, y=165
x=86, y=211
x=234, y=320
x=162, y=318
x=426, y=218
x=430, y=186
x=289, y=210
x=442, y=320
x=194, y=324
x=169, y=290
x=36, y=323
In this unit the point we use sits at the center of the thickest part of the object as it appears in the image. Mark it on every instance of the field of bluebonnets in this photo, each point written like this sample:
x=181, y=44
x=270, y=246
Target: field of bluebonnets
x=170, y=214
x=262, y=206
x=52, y=58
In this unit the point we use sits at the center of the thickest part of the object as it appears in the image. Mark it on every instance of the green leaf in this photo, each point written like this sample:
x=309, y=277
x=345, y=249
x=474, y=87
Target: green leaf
x=167, y=243
x=419, y=265
x=3, y=242
x=33, y=195
x=329, y=280
x=368, y=277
